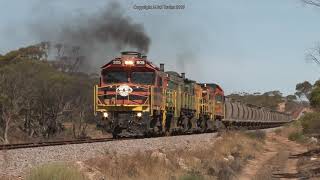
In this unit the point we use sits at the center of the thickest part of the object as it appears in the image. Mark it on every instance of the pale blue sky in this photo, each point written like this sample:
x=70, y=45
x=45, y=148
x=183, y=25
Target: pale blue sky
x=244, y=45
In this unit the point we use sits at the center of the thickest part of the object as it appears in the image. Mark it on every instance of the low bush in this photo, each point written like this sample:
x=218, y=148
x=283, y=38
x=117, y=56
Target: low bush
x=258, y=134
x=296, y=136
x=55, y=172
x=191, y=177
x=278, y=131
x=220, y=159
x=292, y=131
x=310, y=123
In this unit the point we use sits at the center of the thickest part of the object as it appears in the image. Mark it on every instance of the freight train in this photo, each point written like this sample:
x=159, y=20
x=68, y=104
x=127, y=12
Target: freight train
x=136, y=98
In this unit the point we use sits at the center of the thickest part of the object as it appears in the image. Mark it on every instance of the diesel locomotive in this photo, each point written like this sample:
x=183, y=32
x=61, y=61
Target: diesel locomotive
x=136, y=98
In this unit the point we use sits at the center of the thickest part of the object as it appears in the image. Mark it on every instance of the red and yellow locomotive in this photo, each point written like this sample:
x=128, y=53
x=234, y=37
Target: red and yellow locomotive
x=136, y=98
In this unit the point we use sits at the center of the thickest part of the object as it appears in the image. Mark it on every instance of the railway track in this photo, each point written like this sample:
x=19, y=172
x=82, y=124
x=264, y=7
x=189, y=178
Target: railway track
x=52, y=143
x=83, y=141
x=77, y=141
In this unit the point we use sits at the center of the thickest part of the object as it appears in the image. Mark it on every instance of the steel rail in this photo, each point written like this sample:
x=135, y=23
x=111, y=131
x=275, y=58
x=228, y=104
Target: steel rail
x=83, y=141
x=52, y=143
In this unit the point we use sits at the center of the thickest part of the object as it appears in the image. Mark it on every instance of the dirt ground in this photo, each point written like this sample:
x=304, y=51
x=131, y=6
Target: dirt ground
x=279, y=158
x=275, y=161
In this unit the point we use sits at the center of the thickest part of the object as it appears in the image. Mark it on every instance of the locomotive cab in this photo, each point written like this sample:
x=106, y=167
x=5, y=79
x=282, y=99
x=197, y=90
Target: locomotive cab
x=127, y=93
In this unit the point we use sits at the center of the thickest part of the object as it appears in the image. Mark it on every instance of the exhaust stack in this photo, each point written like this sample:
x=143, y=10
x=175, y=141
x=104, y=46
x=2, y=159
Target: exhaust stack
x=162, y=67
x=183, y=75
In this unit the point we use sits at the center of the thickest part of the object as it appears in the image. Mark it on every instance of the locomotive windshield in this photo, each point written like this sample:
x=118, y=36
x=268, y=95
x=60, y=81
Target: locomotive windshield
x=115, y=77
x=147, y=78
x=143, y=77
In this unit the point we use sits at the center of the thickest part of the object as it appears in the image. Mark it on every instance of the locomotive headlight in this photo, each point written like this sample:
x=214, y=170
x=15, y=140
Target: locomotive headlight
x=128, y=62
x=105, y=114
x=139, y=114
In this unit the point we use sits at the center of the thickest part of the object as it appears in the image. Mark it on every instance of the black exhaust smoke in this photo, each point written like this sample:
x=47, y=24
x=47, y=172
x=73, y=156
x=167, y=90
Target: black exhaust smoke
x=100, y=35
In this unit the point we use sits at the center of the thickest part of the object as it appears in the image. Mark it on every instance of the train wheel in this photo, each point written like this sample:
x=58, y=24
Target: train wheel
x=180, y=121
x=209, y=125
x=152, y=123
x=116, y=131
x=219, y=125
x=185, y=124
x=159, y=124
x=203, y=125
x=199, y=121
x=169, y=120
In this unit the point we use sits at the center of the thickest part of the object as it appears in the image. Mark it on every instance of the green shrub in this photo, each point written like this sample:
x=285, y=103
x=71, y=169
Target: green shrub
x=278, y=131
x=258, y=134
x=296, y=124
x=55, y=172
x=191, y=177
x=296, y=136
x=315, y=98
x=311, y=123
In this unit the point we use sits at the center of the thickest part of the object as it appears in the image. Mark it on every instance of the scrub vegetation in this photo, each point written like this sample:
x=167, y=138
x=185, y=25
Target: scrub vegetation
x=37, y=97
x=55, y=172
x=219, y=160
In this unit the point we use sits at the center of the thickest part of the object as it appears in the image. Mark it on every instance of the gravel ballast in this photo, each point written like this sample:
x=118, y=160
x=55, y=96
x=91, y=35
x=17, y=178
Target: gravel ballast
x=17, y=162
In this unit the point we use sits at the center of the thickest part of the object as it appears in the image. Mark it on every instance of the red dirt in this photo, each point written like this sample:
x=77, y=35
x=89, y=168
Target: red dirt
x=273, y=160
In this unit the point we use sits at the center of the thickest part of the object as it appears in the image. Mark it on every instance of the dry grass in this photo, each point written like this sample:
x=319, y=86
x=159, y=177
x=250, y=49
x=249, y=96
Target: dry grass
x=55, y=172
x=219, y=160
x=291, y=128
x=3, y=177
x=90, y=131
x=140, y=164
x=257, y=134
x=293, y=132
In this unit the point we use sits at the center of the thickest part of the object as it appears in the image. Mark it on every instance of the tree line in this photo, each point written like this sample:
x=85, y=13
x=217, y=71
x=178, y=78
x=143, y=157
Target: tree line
x=36, y=98
x=311, y=92
x=271, y=100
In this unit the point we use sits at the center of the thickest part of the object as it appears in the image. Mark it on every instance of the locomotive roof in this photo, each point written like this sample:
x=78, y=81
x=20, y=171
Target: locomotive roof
x=173, y=73
x=213, y=85
x=136, y=57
